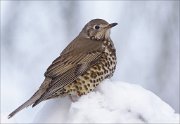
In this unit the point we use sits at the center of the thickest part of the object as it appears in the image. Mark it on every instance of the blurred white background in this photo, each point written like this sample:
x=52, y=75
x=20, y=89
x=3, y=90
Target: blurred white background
x=33, y=33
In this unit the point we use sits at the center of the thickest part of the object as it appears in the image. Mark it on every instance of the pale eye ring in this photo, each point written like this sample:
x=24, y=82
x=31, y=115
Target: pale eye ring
x=97, y=27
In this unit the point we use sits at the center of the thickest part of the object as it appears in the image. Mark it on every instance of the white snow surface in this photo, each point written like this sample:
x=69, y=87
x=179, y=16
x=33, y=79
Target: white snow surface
x=111, y=102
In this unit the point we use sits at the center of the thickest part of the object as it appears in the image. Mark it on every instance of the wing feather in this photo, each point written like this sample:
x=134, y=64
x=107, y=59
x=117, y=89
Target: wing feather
x=69, y=72
x=61, y=67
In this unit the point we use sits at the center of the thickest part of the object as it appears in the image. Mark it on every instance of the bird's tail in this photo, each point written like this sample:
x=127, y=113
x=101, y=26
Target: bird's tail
x=33, y=99
x=26, y=104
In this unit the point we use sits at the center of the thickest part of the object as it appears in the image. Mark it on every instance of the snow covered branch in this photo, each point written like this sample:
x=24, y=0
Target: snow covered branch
x=113, y=102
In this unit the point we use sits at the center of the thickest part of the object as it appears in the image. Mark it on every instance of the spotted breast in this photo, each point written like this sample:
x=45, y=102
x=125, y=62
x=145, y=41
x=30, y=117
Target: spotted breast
x=103, y=69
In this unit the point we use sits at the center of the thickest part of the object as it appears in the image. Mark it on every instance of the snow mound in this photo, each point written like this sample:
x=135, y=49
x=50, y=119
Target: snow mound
x=111, y=102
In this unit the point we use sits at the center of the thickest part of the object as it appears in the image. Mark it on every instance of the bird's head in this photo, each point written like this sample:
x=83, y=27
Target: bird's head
x=97, y=29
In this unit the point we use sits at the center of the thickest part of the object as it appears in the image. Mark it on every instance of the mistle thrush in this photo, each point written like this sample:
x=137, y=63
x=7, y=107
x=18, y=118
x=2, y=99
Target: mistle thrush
x=81, y=67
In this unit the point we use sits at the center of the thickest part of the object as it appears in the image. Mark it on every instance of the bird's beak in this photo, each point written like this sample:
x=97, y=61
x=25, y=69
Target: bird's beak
x=111, y=25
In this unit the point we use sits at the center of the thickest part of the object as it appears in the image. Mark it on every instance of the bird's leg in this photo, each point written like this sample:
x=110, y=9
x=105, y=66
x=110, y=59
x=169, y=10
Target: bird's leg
x=73, y=98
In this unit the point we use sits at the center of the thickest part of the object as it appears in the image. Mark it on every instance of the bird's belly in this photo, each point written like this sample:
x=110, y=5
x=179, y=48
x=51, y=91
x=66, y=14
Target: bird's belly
x=87, y=82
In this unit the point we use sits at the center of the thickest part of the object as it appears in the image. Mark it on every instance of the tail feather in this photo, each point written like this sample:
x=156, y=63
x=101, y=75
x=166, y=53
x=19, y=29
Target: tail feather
x=33, y=99
x=26, y=104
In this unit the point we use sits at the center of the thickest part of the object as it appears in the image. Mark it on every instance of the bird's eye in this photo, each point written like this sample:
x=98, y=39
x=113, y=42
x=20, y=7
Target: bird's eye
x=97, y=27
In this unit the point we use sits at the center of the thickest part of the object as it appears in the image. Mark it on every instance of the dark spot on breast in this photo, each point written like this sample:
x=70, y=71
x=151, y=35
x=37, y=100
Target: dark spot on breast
x=79, y=82
x=92, y=71
x=86, y=77
x=76, y=87
x=95, y=67
x=98, y=79
x=98, y=66
x=93, y=75
x=98, y=73
x=86, y=87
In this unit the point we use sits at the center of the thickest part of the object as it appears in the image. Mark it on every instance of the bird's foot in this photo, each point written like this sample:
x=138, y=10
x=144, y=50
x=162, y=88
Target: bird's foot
x=74, y=98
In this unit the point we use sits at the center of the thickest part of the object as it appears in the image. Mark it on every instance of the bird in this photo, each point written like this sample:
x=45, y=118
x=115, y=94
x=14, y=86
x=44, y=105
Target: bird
x=81, y=67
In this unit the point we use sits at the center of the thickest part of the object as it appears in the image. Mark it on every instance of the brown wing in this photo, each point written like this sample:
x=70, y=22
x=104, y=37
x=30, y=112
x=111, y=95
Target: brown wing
x=70, y=65
x=72, y=55
x=72, y=71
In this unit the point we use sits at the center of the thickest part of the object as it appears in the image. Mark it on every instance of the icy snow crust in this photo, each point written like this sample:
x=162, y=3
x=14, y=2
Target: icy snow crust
x=111, y=102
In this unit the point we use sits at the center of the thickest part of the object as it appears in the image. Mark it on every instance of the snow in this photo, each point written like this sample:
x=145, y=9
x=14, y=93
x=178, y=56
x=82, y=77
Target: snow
x=111, y=102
